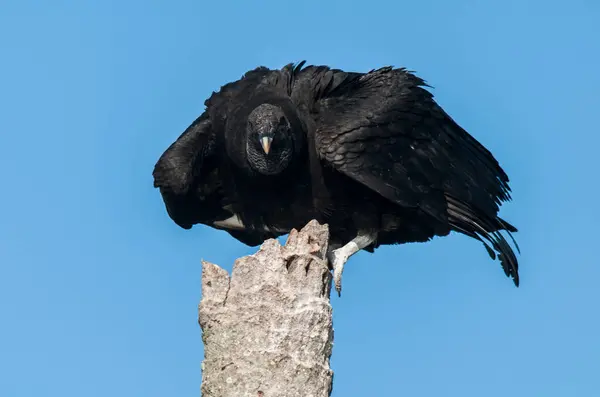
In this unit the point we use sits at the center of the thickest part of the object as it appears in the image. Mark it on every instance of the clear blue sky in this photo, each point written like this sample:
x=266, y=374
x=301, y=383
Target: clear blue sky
x=99, y=289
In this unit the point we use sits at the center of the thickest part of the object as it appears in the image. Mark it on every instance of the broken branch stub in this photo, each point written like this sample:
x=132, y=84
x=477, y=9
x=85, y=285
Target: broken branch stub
x=267, y=330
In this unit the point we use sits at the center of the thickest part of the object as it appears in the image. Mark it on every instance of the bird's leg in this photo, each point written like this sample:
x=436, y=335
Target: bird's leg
x=339, y=256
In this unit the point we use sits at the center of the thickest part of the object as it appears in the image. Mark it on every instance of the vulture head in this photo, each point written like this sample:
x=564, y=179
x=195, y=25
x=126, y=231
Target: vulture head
x=270, y=140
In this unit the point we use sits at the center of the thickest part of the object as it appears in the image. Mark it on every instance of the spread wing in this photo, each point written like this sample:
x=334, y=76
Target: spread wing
x=384, y=130
x=189, y=179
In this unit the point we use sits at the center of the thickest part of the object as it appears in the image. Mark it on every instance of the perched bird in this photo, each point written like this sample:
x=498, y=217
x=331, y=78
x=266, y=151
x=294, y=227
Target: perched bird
x=370, y=154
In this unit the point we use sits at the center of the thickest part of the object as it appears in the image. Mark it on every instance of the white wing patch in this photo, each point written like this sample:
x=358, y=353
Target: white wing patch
x=233, y=223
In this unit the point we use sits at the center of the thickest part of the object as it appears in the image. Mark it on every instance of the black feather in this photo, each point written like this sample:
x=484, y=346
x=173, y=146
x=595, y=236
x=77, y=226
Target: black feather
x=362, y=151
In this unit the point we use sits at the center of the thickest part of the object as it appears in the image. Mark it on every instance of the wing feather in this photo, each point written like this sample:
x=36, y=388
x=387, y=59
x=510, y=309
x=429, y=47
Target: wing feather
x=187, y=176
x=384, y=130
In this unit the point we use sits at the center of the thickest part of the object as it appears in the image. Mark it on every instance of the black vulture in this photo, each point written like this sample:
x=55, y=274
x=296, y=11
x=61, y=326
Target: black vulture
x=370, y=154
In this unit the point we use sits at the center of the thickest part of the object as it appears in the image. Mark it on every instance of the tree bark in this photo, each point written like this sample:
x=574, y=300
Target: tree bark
x=267, y=330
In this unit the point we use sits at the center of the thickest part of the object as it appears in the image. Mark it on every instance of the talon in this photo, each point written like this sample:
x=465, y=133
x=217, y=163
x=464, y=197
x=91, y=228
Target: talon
x=338, y=259
x=337, y=279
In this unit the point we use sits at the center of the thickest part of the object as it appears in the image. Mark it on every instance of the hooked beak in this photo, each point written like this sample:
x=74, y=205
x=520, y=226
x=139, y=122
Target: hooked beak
x=265, y=142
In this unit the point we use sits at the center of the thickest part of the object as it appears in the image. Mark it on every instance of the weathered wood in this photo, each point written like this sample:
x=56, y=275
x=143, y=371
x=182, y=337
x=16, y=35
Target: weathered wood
x=267, y=329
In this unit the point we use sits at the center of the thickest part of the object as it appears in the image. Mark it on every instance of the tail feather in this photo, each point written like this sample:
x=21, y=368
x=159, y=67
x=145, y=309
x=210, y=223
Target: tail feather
x=510, y=229
x=466, y=220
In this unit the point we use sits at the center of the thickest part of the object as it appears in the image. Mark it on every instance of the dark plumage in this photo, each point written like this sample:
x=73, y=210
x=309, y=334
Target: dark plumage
x=371, y=154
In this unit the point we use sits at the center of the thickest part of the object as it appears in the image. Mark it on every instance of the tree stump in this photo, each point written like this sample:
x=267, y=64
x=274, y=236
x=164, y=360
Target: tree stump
x=267, y=329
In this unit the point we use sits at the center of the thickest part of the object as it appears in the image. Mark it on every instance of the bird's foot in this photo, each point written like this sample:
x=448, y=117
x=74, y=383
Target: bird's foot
x=338, y=259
